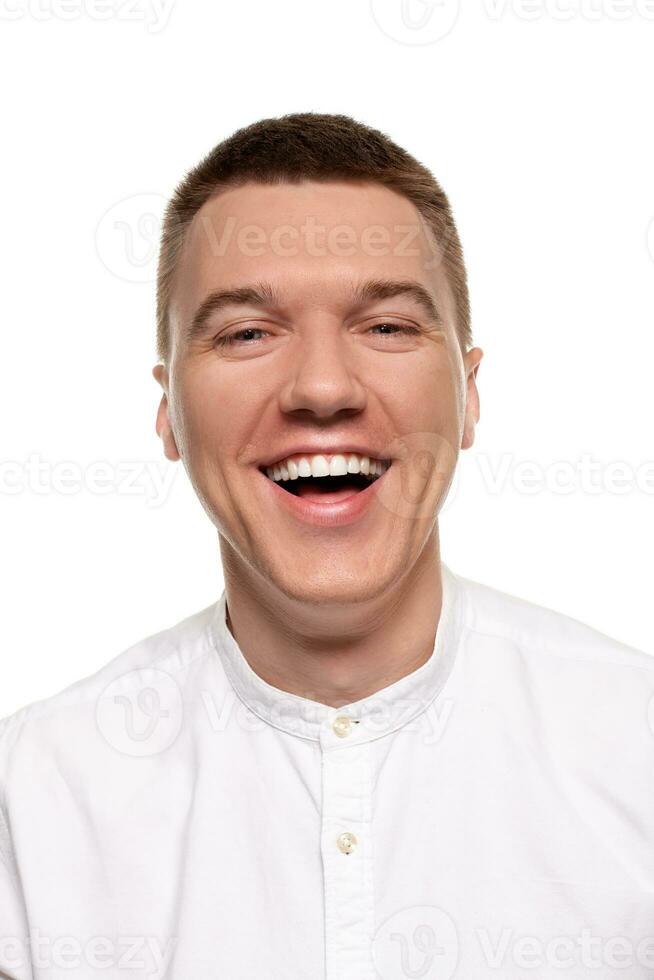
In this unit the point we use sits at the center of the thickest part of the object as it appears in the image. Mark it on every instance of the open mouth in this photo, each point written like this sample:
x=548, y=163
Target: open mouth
x=328, y=488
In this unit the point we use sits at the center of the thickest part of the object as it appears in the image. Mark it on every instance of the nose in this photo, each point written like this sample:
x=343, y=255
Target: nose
x=322, y=374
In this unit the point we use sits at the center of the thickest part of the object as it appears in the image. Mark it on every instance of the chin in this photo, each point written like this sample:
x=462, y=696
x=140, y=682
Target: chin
x=330, y=585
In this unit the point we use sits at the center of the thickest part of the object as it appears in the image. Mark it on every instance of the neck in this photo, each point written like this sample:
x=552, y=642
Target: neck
x=335, y=654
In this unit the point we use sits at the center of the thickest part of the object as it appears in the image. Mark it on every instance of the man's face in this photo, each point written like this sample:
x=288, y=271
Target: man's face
x=311, y=366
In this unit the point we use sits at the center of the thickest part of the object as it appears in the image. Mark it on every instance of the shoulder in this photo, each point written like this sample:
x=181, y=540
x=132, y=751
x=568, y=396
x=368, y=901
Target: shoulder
x=518, y=644
x=558, y=706
x=541, y=667
x=68, y=721
x=536, y=631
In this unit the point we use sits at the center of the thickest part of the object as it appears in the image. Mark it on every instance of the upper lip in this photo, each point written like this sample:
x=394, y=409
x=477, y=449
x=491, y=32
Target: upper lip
x=322, y=451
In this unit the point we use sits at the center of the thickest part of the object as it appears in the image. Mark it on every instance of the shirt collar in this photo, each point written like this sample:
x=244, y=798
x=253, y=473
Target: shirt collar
x=383, y=712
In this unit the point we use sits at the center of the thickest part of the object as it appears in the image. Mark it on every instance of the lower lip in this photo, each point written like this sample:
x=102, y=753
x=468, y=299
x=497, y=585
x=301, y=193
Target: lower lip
x=335, y=514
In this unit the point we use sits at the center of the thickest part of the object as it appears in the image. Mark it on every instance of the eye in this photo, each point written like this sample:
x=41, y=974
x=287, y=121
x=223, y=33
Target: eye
x=230, y=339
x=395, y=327
x=239, y=338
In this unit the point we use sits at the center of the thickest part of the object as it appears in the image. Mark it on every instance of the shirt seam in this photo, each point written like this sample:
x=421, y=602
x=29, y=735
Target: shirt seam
x=545, y=648
x=37, y=710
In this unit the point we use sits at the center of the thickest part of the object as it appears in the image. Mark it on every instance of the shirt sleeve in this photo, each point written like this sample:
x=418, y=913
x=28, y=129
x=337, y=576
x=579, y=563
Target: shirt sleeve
x=15, y=959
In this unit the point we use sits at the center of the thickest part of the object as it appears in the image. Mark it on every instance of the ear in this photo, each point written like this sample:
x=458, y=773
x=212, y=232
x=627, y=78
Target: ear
x=471, y=361
x=163, y=426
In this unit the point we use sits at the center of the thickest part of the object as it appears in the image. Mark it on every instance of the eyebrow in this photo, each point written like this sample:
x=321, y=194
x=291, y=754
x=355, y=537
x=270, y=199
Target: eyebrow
x=376, y=289
x=264, y=295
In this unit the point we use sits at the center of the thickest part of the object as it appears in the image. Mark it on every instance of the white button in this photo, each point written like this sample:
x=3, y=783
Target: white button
x=346, y=842
x=342, y=726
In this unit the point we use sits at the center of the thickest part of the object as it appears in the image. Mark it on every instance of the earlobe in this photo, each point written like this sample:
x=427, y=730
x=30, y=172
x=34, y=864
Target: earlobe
x=468, y=437
x=162, y=424
x=472, y=360
x=165, y=432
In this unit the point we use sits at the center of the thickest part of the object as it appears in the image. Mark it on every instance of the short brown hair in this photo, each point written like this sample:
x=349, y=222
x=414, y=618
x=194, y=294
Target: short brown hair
x=309, y=146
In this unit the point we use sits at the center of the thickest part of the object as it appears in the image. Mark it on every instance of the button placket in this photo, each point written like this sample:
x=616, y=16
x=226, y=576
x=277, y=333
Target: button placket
x=347, y=856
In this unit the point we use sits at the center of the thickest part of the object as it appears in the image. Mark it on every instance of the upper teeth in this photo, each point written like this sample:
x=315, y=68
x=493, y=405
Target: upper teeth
x=339, y=465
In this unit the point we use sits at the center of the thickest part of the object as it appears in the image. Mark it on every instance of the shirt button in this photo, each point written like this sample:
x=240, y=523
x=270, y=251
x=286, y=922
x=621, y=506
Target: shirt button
x=342, y=726
x=346, y=843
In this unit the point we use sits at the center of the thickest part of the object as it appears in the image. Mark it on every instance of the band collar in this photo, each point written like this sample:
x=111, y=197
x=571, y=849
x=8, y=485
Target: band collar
x=379, y=714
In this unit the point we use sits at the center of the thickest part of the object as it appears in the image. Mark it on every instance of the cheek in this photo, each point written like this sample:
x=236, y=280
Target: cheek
x=427, y=397
x=200, y=419
x=216, y=419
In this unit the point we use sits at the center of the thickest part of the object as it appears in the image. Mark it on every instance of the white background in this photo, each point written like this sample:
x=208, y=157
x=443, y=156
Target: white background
x=535, y=117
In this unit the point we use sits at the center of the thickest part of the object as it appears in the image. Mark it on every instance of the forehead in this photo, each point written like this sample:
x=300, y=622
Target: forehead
x=313, y=240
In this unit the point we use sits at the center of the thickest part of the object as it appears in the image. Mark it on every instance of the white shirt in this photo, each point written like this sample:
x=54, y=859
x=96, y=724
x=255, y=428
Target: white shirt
x=490, y=815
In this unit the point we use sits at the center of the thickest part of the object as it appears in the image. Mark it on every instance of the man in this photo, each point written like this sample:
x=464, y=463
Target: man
x=356, y=763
